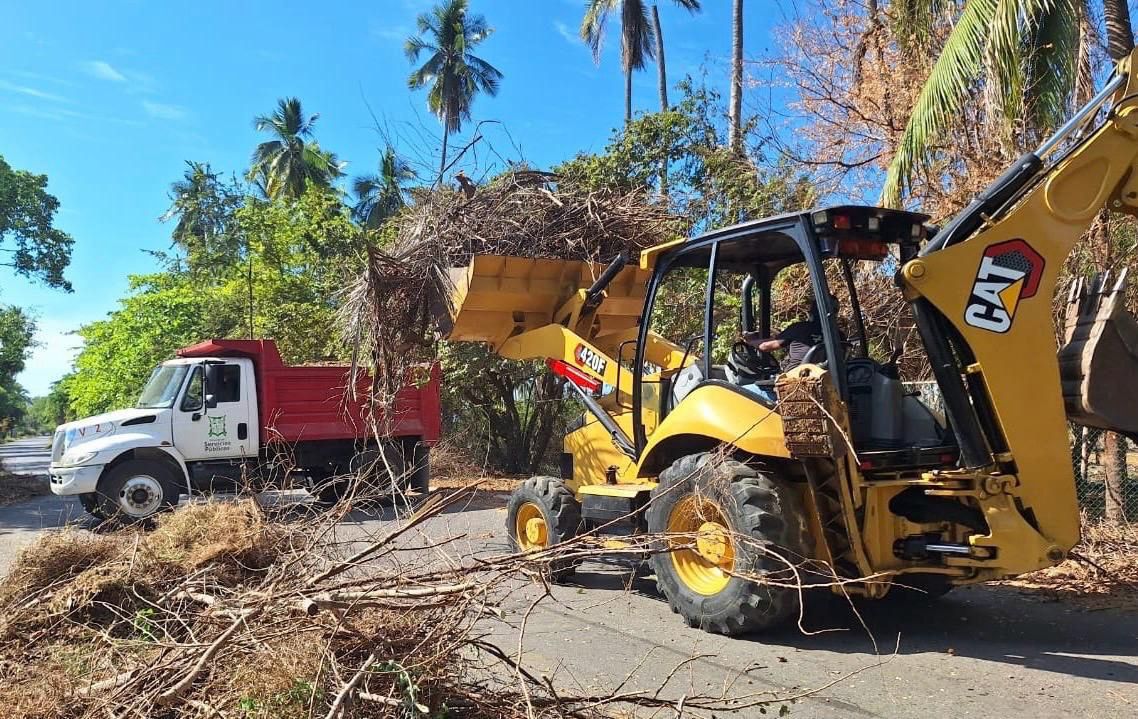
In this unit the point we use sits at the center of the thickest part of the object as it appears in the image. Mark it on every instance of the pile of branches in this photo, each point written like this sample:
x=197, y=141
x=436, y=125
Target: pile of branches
x=222, y=612
x=391, y=310
x=225, y=611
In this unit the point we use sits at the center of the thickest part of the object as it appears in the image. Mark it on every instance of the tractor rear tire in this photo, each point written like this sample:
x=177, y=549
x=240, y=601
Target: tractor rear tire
x=541, y=513
x=732, y=499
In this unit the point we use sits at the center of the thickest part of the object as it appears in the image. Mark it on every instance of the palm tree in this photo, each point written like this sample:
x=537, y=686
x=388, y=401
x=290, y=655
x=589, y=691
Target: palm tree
x=283, y=166
x=380, y=196
x=455, y=75
x=204, y=206
x=636, y=32
x=735, y=115
x=1028, y=53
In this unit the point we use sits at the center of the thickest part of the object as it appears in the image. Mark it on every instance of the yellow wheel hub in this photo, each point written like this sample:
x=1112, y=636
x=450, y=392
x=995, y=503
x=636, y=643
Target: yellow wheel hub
x=704, y=555
x=530, y=527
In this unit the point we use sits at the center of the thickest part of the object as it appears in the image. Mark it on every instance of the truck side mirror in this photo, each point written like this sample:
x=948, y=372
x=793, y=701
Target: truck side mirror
x=210, y=401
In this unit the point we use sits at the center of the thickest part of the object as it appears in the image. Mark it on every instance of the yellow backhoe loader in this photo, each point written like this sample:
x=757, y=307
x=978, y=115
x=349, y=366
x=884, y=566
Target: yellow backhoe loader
x=695, y=435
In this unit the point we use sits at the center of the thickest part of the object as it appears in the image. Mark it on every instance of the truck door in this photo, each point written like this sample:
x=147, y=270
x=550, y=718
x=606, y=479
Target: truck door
x=213, y=416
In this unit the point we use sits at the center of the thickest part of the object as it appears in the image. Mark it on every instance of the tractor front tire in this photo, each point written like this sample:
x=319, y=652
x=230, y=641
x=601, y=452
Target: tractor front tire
x=541, y=513
x=726, y=514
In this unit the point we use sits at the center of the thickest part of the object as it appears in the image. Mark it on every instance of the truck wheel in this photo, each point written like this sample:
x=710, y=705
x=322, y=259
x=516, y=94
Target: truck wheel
x=730, y=512
x=135, y=490
x=418, y=459
x=543, y=512
x=90, y=503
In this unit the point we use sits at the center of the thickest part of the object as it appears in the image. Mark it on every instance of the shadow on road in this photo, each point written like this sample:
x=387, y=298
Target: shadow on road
x=991, y=623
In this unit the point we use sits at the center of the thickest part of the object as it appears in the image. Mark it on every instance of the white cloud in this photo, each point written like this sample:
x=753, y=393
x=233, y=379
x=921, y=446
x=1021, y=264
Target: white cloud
x=31, y=92
x=103, y=70
x=52, y=358
x=163, y=111
x=566, y=32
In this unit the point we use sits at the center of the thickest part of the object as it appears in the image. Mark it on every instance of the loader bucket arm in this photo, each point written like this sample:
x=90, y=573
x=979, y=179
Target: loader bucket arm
x=526, y=308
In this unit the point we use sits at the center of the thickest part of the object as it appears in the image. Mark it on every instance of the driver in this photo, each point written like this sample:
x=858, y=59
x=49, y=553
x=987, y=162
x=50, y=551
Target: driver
x=796, y=339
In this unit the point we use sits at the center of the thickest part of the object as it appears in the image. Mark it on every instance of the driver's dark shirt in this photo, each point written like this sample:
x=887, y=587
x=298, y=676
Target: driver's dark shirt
x=799, y=338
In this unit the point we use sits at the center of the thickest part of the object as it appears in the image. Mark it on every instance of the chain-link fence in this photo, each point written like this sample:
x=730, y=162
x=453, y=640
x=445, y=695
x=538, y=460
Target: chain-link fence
x=1105, y=464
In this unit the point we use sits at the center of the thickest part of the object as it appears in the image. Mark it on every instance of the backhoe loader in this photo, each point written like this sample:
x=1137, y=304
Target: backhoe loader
x=693, y=435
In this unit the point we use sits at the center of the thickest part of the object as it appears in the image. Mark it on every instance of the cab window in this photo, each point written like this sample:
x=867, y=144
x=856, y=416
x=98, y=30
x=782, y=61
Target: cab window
x=228, y=384
x=192, y=398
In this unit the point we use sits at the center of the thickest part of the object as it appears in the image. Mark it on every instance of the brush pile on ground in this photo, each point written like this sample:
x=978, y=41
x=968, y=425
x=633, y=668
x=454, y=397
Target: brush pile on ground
x=391, y=310
x=220, y=612
x=1101, y=572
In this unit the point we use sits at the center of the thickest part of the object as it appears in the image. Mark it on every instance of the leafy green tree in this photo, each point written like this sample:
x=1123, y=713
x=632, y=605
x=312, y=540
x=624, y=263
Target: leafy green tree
x=161, y=313
x=709, y=184
x=51, y=410
x=17, y=331
x=293, y=259
x=510, y=417
x=29, y=242
x=453, y=73
x=637, y=36
x=381, y=195
x=286, y=164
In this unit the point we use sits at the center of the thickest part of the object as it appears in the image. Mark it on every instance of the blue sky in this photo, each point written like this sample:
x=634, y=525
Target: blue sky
x=110, y=99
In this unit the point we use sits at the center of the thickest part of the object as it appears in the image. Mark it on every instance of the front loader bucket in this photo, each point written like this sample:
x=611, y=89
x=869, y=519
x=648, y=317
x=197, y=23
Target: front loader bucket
x=1098, y=362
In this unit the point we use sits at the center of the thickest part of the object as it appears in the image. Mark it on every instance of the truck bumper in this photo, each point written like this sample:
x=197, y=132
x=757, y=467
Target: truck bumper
x=74, y=480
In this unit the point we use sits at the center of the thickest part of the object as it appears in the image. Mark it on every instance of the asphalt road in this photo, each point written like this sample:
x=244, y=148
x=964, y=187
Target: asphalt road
x=979, y=652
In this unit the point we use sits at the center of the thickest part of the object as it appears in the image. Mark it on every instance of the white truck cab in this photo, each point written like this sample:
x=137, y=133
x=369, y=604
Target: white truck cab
x=143, y=455
x=230, y=414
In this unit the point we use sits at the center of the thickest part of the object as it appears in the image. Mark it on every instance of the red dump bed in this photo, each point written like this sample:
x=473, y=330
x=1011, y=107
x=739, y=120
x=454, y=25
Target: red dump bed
x=309, y=402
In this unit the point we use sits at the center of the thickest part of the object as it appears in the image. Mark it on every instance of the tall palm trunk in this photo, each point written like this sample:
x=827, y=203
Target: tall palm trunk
x=662, y=74
x=1119, y=43
x=443, y=161
x=1119, y=31
x=627, y=95
x=735, y=117
x=661, y=70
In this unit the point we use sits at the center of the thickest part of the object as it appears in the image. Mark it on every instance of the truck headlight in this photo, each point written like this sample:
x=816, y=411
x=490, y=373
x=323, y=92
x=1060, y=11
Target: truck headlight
x=70, y=460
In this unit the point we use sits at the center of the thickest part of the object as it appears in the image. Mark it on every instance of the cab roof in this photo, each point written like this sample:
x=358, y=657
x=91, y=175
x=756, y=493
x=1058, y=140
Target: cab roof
x=854, y=231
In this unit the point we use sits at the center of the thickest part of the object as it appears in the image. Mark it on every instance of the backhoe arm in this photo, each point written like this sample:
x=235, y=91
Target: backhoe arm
x=982, y=295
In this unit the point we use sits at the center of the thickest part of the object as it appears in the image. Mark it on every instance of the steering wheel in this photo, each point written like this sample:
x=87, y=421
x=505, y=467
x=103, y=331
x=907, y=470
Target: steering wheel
x=816, y=350
x=748, y=363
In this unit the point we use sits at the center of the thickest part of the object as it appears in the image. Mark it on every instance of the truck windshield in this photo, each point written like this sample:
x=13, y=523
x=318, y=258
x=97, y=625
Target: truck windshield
x=162, y=386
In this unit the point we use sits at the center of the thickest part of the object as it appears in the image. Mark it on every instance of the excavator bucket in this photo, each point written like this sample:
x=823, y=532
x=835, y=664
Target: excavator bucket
x=1098, y=361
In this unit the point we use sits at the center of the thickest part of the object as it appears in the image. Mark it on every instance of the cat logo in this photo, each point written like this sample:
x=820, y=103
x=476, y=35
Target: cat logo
x=590, y=359
x=1009, y=273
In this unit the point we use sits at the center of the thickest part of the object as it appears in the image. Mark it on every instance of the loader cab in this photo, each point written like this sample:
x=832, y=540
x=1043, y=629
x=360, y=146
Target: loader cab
x=767, y=275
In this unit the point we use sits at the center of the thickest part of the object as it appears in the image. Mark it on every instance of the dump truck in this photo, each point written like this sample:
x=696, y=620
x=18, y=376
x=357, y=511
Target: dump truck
x=761, y=479
x=229, y=414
